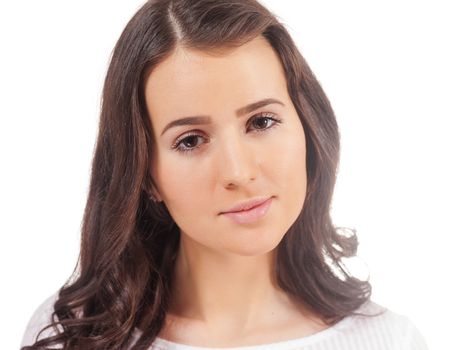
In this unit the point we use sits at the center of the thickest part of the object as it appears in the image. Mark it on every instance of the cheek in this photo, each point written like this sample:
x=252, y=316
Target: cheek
x=289, y=176
x=288, y=165
x=170, y=173
x=181, y=185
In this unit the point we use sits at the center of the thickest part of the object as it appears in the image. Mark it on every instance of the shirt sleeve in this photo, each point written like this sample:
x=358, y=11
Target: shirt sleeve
x=414, y=338
x=40, y=318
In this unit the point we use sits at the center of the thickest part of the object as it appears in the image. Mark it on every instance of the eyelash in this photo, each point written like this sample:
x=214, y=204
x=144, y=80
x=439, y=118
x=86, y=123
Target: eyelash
x=259, y=116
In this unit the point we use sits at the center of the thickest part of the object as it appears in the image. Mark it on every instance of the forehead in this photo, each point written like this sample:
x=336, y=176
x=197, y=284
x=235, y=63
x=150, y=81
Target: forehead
x=192, y=81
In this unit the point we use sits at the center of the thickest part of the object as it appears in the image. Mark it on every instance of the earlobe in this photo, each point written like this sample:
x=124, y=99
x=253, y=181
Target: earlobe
x=151, y=190
x=154, y=191
x=156, y=196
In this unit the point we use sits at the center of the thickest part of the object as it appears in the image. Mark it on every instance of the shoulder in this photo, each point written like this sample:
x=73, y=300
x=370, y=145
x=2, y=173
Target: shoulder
x=386, y=328
x=41, y=317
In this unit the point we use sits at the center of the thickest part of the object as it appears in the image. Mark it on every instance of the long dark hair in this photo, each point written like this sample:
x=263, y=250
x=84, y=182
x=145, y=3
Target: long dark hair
x=129, y=242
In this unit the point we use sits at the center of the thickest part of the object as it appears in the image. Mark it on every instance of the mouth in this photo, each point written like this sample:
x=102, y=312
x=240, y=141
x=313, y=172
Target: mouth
x=252, y=213
x=248, y=204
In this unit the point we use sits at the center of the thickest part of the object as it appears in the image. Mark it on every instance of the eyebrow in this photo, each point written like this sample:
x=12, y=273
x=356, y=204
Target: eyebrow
x=204, y=119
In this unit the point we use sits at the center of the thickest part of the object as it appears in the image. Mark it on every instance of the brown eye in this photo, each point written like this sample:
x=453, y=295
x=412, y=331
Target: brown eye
x=263, y=121
x=188, y=143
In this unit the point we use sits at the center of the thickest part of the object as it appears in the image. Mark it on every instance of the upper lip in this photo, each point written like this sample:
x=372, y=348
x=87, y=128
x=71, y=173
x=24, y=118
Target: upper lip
x=247, y=204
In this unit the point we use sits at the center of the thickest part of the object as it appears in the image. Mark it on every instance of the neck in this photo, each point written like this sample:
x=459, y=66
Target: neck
x=223, y=290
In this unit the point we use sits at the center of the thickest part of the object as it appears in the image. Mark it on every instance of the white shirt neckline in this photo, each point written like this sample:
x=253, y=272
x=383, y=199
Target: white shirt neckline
x=161, y=343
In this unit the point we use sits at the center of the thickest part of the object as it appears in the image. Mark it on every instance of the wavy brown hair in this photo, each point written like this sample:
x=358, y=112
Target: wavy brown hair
x=122, y=282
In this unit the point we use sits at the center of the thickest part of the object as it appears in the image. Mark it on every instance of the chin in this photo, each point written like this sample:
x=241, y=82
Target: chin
x=255, y=247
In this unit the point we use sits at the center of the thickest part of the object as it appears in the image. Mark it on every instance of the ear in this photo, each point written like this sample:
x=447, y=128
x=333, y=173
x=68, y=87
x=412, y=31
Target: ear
x=156, y=194
x=149, y=187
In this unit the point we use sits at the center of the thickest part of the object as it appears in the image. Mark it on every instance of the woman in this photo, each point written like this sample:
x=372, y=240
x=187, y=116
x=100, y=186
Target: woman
x=207, y=222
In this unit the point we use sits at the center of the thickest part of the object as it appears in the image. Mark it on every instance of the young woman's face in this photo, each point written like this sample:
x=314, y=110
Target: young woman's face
x=231, y=153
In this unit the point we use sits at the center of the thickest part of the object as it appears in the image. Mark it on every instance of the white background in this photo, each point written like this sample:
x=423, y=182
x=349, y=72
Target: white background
x=393, y=72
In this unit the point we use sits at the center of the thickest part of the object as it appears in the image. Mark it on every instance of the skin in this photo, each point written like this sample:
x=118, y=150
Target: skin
x=225, y=292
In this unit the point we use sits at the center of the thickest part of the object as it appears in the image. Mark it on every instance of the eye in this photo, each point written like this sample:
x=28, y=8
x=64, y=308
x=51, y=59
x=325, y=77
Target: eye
x=262, y=121
x=190, y=142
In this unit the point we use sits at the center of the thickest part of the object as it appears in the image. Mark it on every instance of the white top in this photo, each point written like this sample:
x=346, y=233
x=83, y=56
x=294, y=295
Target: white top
x=389, y=331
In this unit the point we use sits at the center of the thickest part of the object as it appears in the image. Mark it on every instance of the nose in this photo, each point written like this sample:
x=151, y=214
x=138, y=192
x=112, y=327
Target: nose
x=237, y=162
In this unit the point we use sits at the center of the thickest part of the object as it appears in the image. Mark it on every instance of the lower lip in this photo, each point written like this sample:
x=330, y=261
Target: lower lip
x=251, y=215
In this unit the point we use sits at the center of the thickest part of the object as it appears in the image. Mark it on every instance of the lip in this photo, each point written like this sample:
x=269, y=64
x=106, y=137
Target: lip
x=245, y=205
x=249, y=211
